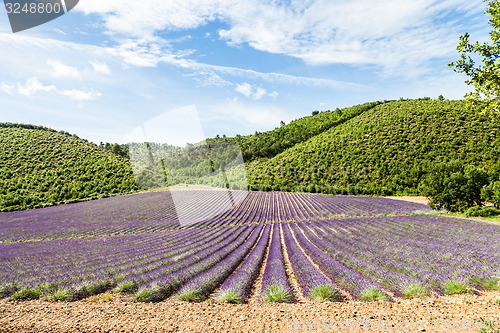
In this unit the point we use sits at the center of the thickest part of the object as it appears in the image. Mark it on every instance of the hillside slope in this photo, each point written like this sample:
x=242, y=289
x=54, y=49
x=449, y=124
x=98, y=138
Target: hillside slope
x=40, y=166
x=269, y=144
x=386, y=150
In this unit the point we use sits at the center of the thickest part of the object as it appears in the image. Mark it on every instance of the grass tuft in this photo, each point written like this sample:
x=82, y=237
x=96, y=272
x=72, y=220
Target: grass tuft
x=452, y=287
x=326, y=292
x=146, y=294
x=190, y=295
x=125, y=286
x=62, y=295
x=373, y=294
x=492, y=283
x=229, y=296
x=153, y=293
x=415, y=290
x=26, y=294
x=276, y=293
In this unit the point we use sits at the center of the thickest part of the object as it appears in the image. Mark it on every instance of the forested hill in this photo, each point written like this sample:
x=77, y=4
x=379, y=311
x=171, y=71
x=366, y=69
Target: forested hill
x=40, y=166
x=271, y=143
x=378, y=148
x=386, y=149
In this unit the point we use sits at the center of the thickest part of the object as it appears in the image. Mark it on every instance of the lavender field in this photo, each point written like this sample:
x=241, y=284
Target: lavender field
x=339, y=247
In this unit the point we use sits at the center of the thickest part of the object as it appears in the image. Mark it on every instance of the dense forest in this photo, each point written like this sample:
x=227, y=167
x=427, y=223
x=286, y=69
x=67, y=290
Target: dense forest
x=386, y=150
x=379, y=148
x=41, y=167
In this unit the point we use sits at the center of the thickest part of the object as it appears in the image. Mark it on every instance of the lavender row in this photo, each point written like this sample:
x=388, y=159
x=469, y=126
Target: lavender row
x=201, y=286
x=404, y=251
x=312, y=282
x=237, y=287
x=439, y=228
x=349, y=280
x=391, y=280
x=164, y=285
x=156, y=211
x=77, y=278
x=395, y=276
x=378, y=227
x=100, y=261
x=191, y=257
x=275, y=285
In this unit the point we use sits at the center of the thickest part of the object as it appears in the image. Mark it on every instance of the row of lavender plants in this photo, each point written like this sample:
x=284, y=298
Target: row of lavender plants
x=368, y=258
x=371, y=246
x=156, y=211
x=96, y=264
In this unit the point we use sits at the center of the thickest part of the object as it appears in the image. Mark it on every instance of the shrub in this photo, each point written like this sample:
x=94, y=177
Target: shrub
x=62, y=294
x=482, y=211
x=373, y=294
x=414, y=290
x=26, y=294
x=125, y=286
x=492, y=283
x=325, y=291
x=276, y=293
x=151, y=293
x=229, y=296
x=454, y=186
x=452, y=287
x=190, y=295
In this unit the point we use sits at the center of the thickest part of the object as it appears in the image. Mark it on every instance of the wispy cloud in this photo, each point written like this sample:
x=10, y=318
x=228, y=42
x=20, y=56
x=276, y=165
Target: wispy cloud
x=253, y=92
x=7, y=89
x=100, y=67
x=395, y=36
x=61, y=70
x=80, y=95
x=33, y=86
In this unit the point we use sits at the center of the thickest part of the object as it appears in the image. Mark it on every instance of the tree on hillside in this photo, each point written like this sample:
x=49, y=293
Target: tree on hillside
x=485, y=78
x=454, y=186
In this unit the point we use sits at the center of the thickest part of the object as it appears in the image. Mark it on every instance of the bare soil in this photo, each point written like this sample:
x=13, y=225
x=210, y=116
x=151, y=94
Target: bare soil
x=420, y=200
x=101, y=314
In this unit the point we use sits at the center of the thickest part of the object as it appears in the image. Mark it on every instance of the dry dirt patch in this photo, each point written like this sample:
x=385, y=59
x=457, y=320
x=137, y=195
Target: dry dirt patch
x=117, y=315
x=420, y=200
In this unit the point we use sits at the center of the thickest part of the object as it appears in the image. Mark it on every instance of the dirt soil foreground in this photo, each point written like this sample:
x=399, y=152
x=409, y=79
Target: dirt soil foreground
x=443, y=314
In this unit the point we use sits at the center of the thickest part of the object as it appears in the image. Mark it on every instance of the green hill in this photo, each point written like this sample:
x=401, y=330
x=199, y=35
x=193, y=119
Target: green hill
x=386, y=150
x=377, y=148
x=271, y=143
x=40, y=166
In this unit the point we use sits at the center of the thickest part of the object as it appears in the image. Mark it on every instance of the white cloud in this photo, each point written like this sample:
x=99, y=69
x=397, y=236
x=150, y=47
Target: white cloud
x=7, y=89
x=250, y=91
x=397, y=36
x=61, y=70
x=244, y=88
x=274, y=94
x=34, y=86
x=80, y=95
x=143, y=18
x=259, y=93
x=100, y=67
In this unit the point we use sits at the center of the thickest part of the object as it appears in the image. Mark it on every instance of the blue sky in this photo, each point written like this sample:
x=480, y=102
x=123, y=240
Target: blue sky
x=107, y=67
